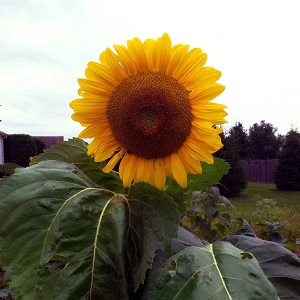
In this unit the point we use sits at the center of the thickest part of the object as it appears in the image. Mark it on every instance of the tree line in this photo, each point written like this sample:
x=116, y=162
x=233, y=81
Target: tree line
x=261, y=141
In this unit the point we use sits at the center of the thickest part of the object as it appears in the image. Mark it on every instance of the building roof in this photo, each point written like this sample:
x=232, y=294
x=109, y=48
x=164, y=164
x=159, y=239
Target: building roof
x=3, y=134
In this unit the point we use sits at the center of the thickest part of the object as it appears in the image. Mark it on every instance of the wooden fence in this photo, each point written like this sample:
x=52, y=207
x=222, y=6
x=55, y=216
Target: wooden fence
x=258, y=170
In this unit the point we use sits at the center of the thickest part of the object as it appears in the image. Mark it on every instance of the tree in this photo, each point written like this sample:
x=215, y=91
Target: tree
x=263, y=142
x=18, y=148
x=235, y=181
x=239, y=137
x=287, y=174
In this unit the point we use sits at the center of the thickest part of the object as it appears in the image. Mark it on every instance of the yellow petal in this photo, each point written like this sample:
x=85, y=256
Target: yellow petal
x=106, y=151
x=103, y=73
x=159, y=173
x=149, y=171
x=85, y=118
x=207, y=93
x=88, y=104
x=205, y=76
x=192, y=165
x=136, y=51
x=214, y=116
x=178, y=170
x=112, y=61
x=149, y=45
x=102, y=149
x=177, y=55
x=192, y=62
x=200, y=154
x=126, y=60
x=140, y=174
x=95, y=88
x=206, y=128
x=167, y=161
x=113, y=161
x=162, y=53
x=127, y=169
x=98, y=129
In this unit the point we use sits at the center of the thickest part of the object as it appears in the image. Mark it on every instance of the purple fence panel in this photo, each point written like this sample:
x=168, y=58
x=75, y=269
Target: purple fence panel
x=258, y=170
x=50, y=140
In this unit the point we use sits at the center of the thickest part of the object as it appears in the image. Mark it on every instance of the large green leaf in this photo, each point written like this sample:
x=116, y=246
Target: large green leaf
x=110, y=181
x=281, y=266
x=74, y=151
x=154, y=222
x=217, y=271
x=61, y=237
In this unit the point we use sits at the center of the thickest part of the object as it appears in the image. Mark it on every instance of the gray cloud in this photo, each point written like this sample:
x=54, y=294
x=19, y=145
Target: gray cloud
x=45, y=46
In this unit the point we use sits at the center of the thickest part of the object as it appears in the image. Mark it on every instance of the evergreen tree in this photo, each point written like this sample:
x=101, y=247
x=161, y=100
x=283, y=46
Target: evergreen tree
x=239, y=137
x=287, y=174
x=235, y=181
x=263, y=142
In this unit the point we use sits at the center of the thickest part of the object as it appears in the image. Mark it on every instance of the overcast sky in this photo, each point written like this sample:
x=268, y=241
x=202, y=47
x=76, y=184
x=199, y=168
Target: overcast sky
x=46, y=44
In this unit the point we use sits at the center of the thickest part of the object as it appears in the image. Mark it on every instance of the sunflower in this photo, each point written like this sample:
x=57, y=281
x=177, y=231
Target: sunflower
x=149, y=105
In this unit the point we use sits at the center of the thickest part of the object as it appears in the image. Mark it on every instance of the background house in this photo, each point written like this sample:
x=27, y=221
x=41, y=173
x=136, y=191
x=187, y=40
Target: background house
x=2, y=137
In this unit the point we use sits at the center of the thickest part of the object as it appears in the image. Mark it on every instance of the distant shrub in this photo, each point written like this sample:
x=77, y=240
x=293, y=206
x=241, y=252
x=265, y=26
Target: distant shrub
x=235, y=181
x=7, y=169
x=18, y=148
x=287, y=174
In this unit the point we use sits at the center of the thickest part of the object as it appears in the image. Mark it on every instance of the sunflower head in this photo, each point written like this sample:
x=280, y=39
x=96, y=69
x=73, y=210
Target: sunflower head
x=149, y=105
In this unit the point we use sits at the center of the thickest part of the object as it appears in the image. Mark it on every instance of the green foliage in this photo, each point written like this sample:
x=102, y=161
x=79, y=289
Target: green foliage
x=280, y=265
x=266, y=210
x=268, y=220
x=62, y=222
x=7, y=169
x=154, y=222
x=74, y=151
x=263, y=142
x=211, y=174
x=211, y=272
x=286, y=211
x=259, y=142
x=56, y=225
x=239, y=138
x=235, y=181
x=203, y=215
x=287, y=174
x=69, y=231
x=18, y=148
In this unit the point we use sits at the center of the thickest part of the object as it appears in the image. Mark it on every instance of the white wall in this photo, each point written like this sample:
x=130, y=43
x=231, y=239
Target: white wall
x=1, y=150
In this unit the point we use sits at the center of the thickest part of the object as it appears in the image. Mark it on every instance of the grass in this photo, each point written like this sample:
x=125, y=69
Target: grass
x=262, y=202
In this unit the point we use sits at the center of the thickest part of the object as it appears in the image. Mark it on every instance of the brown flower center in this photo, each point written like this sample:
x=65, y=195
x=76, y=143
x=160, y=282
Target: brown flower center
x=150, y=114
x=148, y=117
